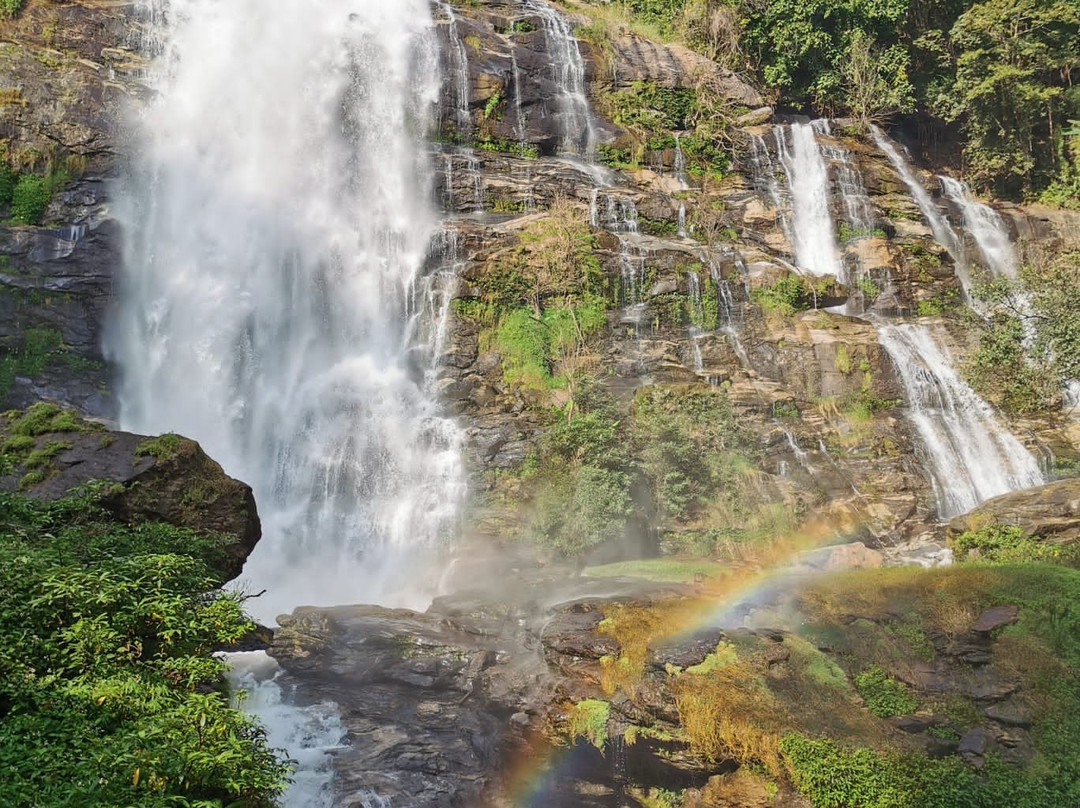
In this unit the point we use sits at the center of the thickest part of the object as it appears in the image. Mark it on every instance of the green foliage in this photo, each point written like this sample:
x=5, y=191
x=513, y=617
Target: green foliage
x=1009, y=544
x=1029, y=344
x=532, y=346
x=109, y=690
x=691, y=447
x=884, y=696
x=8, y=179
x=31, y=196
x=588, y=719
x=41, y=348
x=9, y=8
x=783, y=298
x=162, y=448
x=649, y=107
x=1009, y=87
x=580, y=479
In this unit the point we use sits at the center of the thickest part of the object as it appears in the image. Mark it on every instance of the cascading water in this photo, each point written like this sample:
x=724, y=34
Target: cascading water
x=985, y=226
x=278, y=220
x=568, y=72
x=812, y=233
x=972, y=456
x=939, y=225
x=458, y=64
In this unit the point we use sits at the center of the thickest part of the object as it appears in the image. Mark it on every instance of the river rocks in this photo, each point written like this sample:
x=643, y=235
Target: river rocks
x=168, y=479
x=1050, y=512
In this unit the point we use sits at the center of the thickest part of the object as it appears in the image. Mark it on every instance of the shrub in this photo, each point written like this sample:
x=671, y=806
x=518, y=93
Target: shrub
x=109, y=687
x=29, y=199
x=783, y=298
x=1010, y=544
x=885, y=697
x=588, y=719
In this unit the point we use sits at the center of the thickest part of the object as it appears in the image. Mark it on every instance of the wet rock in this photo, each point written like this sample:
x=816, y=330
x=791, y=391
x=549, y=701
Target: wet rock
x=974, y=744
x=1010, y=713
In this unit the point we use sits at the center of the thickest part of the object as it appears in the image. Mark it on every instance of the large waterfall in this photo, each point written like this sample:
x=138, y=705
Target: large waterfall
x=278, y=225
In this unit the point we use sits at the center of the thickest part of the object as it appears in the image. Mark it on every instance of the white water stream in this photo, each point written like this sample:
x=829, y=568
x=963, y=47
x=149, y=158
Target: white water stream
x=973, y=457
x=812, y=232
x=986, y=227
x=279, y=222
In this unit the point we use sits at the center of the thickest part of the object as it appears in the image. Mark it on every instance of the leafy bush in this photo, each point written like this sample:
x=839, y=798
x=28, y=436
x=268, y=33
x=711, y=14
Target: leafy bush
x=783, y=298
x=109, y=690
x=884, y=696
x=29, y=199
x=1009, y=544
x=9, y=8
x=690, y=446
x=588, y=719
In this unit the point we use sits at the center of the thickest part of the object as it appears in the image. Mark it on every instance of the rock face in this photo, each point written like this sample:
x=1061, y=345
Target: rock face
x=1051, y=512
x=67, y=73
x=168, y=479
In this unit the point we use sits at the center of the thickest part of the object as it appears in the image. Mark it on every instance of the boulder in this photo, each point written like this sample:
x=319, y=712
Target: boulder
x=1050, y=512
x=168, y=479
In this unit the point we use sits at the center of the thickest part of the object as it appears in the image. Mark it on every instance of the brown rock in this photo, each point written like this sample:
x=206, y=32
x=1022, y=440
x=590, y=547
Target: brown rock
x=1050, y=512
x=994, y=618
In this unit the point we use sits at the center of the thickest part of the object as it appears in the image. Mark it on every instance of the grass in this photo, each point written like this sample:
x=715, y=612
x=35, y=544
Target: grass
x=162, y=448
x=664, y=570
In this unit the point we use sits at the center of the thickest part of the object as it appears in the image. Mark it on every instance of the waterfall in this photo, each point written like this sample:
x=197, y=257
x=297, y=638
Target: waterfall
x=973, y=457
x=458, y=63
x=680, y=166
x=985, y=226
x=568, y=72
x=813, y=237
x=939, y=225
x=278, y=222
x=858, y=209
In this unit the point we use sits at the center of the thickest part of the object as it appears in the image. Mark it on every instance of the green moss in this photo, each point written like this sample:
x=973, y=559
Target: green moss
x=43, y=418
x=724, y=655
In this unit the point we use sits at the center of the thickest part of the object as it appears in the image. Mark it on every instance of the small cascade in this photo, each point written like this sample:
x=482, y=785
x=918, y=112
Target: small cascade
x=800, y=454
x=613, y=211
x=458, y=69
x=812, y=232
x=682, y=222
x=680, y=165
x=519, y=117
x=986, y=227
x=940, y=226
x=427, y=333
x=463, y=178
x=309, y=735
x=858, y=211
x=973, y=457
x=568, y=72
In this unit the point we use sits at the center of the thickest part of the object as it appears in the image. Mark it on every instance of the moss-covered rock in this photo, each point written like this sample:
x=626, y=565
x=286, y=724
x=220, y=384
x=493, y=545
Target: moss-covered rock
x=49, y=452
